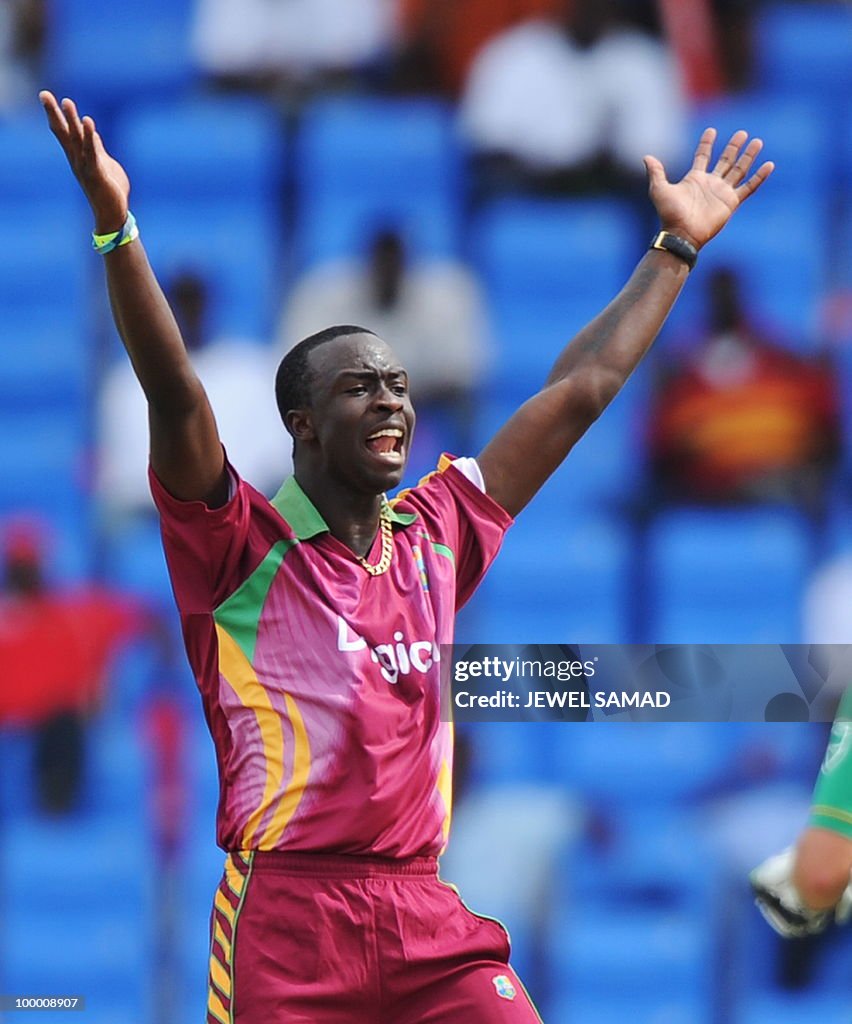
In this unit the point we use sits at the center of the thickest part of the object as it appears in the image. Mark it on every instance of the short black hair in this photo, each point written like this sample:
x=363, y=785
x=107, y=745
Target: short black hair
x=293, y=380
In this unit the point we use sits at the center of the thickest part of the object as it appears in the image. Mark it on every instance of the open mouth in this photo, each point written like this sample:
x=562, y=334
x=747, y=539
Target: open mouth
x=386, y=444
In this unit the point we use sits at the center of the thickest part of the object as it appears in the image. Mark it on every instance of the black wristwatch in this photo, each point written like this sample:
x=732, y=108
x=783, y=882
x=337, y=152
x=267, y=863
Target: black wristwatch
x=677, y=246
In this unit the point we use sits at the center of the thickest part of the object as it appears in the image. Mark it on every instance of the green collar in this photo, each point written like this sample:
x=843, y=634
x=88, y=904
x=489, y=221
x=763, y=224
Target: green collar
x=300, y=512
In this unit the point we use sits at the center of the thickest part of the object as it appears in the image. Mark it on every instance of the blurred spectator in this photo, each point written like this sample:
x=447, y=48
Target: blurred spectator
x=54, y=649
x=290, y=44
x=22, y=25
x=440, y=38
x=573, y=103
x=238, y=375
x=741, y=418
x=431, y=314
x=518, y=886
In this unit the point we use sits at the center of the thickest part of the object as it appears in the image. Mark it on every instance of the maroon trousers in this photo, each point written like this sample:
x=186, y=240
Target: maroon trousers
x=311, y=939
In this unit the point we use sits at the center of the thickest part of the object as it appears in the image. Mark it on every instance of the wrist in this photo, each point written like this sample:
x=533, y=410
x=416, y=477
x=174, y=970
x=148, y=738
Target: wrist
x=108, y=221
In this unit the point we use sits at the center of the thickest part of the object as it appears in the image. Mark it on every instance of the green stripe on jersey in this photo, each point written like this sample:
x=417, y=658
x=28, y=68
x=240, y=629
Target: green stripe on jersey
x=239, y=615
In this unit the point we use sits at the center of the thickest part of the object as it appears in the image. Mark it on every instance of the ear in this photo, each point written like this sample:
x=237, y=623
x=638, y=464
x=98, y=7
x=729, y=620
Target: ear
x=300, y=424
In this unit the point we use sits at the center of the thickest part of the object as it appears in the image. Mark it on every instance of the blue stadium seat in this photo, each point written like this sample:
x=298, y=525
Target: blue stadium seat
x=78, y=861
x=503, y=753
x=45, y=359
x=33, y=168
x=43, y=463
x=805, y=49
x=225, y=148
x=650, y=764
x=636, y=952
x=783, y=280
x=105, y=956
x=795, y=1008
x=231, y=247
x=564, y=580
x=543, y=278
x=655, y=857
x=663, y=1008
x=135, y=562
x=45, y=258
x=103, y=59
x=17, y=797
x=726, y=576
x=366, y=163
x=603, y=471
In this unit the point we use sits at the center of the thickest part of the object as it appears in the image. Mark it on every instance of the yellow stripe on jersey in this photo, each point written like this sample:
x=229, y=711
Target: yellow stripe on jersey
x=445, y=788
x=220, y=977
x=238, y=671
x=240, y=674
x=298, y=780
x=223, y=940
x=443, y=465
x=215, y=1007
x=224, y=906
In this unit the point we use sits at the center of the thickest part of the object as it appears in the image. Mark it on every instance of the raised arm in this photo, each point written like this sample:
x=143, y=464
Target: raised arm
x=186, y=453
x=592, y=369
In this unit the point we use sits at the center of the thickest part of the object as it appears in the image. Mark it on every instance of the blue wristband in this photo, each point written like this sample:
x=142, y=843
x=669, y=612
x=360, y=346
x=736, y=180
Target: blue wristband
x=106, y=243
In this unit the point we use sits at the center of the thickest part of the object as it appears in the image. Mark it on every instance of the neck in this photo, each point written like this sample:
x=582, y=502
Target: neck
x=351, y=516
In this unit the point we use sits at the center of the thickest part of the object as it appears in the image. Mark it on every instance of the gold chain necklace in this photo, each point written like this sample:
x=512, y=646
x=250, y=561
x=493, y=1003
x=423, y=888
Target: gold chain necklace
x=384, y=561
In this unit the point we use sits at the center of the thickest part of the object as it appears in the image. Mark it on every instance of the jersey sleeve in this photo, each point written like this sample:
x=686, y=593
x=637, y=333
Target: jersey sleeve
x=462, y=517
x=203, y=545
x=831, y=806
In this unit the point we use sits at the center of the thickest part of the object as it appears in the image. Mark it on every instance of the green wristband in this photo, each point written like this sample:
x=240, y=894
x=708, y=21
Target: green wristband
x=106, y=243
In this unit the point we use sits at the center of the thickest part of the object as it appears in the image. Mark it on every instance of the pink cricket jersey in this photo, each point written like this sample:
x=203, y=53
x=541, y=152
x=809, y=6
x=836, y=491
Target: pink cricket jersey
x=320, y=682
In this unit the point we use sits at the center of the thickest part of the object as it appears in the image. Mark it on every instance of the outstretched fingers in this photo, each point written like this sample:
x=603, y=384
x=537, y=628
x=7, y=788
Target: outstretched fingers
x=729, y=154
x=740, y=169
x=75, y=126
x=749, y=187
x=55, y=117
x=704, y=150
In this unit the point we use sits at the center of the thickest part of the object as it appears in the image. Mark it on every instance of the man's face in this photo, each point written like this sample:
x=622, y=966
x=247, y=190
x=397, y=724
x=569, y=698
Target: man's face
x=361, y=412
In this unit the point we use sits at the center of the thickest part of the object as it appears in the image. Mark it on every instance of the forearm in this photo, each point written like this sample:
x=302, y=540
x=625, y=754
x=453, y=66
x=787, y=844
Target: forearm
x=149, y=332
x=604, y=354
x=821, y=868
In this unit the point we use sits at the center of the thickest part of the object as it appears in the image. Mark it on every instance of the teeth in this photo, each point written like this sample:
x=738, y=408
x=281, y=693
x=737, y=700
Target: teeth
x=385, y=433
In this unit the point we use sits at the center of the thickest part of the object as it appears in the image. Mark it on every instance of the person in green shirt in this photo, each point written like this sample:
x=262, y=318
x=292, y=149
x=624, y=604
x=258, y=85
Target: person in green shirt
x=802, y=889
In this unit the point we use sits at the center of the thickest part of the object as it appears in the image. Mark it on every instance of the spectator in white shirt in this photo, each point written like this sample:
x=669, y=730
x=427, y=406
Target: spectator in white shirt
x=574, y=101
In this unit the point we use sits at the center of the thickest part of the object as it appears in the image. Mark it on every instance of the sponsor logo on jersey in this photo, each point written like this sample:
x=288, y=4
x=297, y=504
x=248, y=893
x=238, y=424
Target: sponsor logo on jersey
x=395, y=658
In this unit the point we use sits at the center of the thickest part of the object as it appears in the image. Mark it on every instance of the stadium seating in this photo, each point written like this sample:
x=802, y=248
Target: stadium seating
x=654, y=765
x=604, y=471
x=544, y=280
x=804, y=49
x=731, y=577
x=104, y=60
x=579, y=593
x=228, y=149
x=365, y=163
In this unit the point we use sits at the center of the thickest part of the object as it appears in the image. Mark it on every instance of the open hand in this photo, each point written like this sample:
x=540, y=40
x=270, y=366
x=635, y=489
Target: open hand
x=702, y=203
x=101, y=177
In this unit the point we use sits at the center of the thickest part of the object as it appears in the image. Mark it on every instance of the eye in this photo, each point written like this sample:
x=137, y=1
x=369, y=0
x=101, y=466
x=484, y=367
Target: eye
x=399, y=388
x=358, y=389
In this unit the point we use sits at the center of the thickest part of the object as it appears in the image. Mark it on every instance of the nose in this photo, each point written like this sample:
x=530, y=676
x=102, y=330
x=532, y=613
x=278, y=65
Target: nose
x=386, y=399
